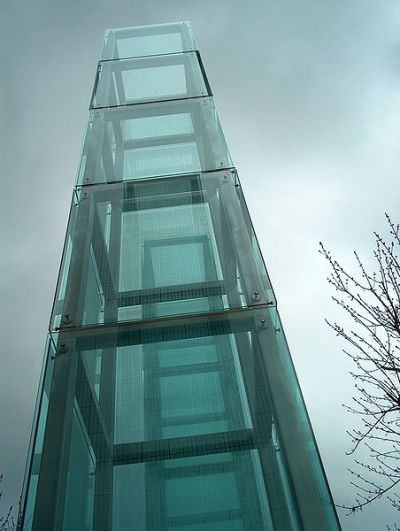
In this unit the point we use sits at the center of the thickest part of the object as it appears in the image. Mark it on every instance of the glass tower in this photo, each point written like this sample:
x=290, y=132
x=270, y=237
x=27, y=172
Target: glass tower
x=168, y=398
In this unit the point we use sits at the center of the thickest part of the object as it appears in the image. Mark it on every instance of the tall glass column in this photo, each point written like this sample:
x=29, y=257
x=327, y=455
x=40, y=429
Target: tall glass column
x=168, y=398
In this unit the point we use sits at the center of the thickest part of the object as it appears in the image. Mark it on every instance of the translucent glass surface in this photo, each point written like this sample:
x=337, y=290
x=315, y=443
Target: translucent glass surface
x=169, y=401
x=181, y=423
x=220, y=492
x=37, y=437
x=142, y=41
x=154, y=139
x=148, y=249
x=157, y=78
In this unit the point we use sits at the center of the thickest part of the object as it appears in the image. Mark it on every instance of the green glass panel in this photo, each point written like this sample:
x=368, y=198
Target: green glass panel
x=186, y=397
x=153, y=140
x=79, y=497
x=157, y=248
x=143, y=41
x=197, y=351
x=156, y=126
x=196, y=494
x=181, y=422
x=298, y=427
x=158, y=78
x=169, y=400
x=191, y=395
x=28, y=496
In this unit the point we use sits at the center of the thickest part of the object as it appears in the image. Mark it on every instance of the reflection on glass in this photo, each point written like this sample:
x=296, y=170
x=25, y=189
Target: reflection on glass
x=213, y=492
x=37, y=437
x=142, y=41
x=169, y=400
x=153, y=140
x=183, y=411
x=165, y=77
x=157, y=248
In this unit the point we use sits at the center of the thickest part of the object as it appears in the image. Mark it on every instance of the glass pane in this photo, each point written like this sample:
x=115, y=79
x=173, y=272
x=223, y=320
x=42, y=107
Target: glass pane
x=37, y=436
x=156, y=139
x=157, y=248
x=198, y=493
x=147, y=416
x=143, y=41
x=159, y=78
x=79, y=499
x=254, y=241
x=297, y=427
x=179, y=400
x=169, y=399
x=146, y=419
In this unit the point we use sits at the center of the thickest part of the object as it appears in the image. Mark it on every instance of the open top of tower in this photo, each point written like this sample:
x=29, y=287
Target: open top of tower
x=144, y=41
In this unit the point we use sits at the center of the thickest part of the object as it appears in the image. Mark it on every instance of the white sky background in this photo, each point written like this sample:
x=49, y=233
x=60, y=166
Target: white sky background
x=308, y=94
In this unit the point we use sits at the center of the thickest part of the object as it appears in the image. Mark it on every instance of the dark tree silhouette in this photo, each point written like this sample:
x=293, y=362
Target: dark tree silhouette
x=7, y=521
x=372, y=300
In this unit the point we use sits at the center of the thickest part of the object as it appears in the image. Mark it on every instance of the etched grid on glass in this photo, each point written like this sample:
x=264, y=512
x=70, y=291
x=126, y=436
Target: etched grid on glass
x=155, y=401
x=156, y=78
x=153, y=140
x=153, y=248
x=143, y=41
x=174, y=401
x=37, y=436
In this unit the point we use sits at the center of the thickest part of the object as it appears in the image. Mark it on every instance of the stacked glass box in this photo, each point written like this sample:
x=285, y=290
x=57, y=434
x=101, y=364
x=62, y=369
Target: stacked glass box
x=168, y=399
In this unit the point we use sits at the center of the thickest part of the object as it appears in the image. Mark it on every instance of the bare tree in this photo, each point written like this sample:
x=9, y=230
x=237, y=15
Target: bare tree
x=372, y=300
x=7, y=521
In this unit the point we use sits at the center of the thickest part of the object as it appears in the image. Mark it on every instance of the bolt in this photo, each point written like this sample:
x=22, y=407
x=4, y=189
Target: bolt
x=63, y=348
x=256, y=296
x=262, y=325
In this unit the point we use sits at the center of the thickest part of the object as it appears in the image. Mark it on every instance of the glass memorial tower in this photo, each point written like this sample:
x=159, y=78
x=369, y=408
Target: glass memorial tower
x=168, y=398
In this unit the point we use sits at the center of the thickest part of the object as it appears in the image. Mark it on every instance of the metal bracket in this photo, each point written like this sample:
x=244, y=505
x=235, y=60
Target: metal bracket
x=256, y=296
x=263, y=325
x=67, y=319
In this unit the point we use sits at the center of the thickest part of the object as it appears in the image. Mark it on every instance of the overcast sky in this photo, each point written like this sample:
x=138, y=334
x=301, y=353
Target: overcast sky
x=308, y=94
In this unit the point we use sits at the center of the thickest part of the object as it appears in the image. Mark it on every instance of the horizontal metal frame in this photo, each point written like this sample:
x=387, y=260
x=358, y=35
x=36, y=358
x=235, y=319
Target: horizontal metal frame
x=171, y=293
x=214, y=517
x=156, y=329
x=83, y=188
x=212, y=443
